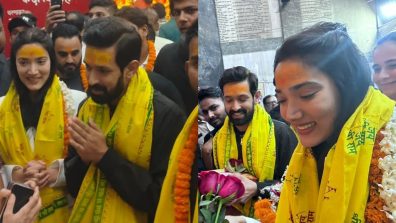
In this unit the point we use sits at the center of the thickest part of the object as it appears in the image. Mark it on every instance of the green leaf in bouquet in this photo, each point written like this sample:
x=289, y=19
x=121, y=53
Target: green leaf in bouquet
x=228, y=199
x=207, y=215
x=205, y=202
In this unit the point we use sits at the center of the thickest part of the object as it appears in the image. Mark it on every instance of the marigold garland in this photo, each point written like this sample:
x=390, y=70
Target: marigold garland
x=183, y=177
x=374, y=209
x=263, y=211
x=84, y=77
x=152, y=55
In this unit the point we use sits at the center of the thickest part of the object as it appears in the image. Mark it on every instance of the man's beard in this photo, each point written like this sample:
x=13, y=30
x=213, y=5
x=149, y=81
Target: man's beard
x=248, y=116
x=68, y=70
x=107, y=96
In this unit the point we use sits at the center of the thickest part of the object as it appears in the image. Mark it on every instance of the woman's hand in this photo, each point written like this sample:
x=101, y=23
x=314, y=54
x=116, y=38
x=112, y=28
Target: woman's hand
x=36, y=170
x=27, y=213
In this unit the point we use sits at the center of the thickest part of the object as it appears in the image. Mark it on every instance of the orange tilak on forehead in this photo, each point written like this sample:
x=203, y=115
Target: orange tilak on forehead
x=232, y=89
x=286, y=73
x=97, y=57
x=31, y=50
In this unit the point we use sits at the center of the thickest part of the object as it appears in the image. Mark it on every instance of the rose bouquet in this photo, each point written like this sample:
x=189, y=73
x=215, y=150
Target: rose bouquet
x=265, y=207
x=217, y=190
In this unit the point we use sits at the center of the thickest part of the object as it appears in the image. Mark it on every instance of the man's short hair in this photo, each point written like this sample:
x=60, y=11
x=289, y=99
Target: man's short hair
x=160, y=9
x=210, y=92
x=266, y=97
x=78, y=19
x=109, y=31
x=110, y=4
x=133, y=15
x=65, y=30
x=239, y=74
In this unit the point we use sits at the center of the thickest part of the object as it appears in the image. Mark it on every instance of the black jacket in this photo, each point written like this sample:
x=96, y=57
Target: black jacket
x=138, y=187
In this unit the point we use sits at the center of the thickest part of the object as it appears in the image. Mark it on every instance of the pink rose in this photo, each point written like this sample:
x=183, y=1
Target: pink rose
x=232, y=186
x=208, y=181
x=235, y=162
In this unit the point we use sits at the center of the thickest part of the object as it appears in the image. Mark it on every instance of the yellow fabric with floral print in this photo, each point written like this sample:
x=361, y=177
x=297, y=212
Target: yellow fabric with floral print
x=15, y=148
x=129, y=131
x=258, y=148
x=343, y=192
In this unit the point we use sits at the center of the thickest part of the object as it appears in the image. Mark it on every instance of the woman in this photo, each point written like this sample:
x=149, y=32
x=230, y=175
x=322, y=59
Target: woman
x=323, y=88
x=384, y=66
x=33, y=116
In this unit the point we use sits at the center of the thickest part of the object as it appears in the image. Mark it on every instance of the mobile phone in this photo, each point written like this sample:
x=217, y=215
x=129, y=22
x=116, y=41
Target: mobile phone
x=22, y=194
x=57, y=2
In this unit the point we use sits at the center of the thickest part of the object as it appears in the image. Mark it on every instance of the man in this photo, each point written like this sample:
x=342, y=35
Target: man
x=270, y=102
x=248, y=134
x=178, y=194
x=124, y=133
x=101, y=8
x=20, y=24
x=212, y=106
x=171, y=59
x=137, y=17
x=67, y=45
x=5, y=75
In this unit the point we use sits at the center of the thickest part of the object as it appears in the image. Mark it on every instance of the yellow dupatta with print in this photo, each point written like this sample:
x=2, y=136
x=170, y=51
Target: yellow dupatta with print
x=343, y=192
x=129, y=131
x=258, y=148
x=48, y=145
x=165, y=209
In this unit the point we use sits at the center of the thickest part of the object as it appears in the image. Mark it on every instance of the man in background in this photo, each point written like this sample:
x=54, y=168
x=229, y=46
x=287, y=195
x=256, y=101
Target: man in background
x=20, y=24
x=270, y=102
x=67, y=44
x=171, y=59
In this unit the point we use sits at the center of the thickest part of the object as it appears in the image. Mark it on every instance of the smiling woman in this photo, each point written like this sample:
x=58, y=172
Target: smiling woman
x=36, y=108
x=384, y=58
x=323, y=88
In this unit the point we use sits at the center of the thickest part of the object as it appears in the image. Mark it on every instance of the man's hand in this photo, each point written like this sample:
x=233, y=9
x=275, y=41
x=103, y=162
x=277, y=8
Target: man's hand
x=207, y=150
x=54, y=16
x=250, y=188
x=88, y=140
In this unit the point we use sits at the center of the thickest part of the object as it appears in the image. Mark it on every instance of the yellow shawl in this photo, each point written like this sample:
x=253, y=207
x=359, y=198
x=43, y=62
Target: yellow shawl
x=49, y=144
x=258, y=148
x=343, y=192
x=129, y=131
x=165, y=210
